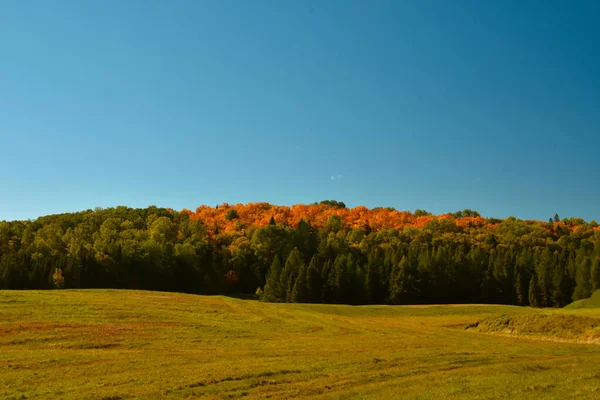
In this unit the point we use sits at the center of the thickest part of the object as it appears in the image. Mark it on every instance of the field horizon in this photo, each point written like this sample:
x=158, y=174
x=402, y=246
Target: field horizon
x=122, y=344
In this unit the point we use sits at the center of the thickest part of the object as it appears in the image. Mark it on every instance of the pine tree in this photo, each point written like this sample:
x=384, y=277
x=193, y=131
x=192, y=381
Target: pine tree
x=273, y=290
x=329, y=285
x=290, y=272
x=544, y=267
x=340, y=281
x=299, y=291
x=289, y=288
x=371, y=281
x=359, y=294
x=325, y=272
x=486, y=285
x=397, y=281
x=583, y=288
x=534, y=295
x=313, y=281
x=520, y=288
x=561, y=288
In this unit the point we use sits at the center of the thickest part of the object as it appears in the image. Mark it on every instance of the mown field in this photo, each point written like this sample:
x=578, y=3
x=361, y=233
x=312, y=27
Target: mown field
x=117, y=344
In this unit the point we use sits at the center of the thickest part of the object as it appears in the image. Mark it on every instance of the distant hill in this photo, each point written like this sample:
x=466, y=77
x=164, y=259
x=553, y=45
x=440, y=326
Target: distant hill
x=307, y=253
x=592, y=302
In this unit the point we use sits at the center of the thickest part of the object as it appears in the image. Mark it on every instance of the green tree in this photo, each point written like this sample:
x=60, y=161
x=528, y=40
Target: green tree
x=231, y=214
x=561, y=290
x=300, y=289
x=534, y=293
x=521, y=289
x=291, y=269
x=397, y=281
x=313, y=281
x=583, y=285
x=273, y=290
x=371, y=281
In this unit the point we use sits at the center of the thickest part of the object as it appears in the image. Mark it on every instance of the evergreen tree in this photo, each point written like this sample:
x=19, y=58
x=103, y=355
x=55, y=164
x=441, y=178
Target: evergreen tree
x=545, y=266
x=521, y=289
x=290, y=273
x=313, y=281
x=487, y=286
x=329, y=290
x=371, y=280
x=534, y=295
x=583, y=288
x=359, y=293
x=273, y=290
x=325, y=272
x=561, y=291
x=397, y=281
x=340, y=278
x=300, y=289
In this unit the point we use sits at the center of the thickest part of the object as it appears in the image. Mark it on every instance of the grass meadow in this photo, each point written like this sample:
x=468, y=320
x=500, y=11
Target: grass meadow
x=119, y=344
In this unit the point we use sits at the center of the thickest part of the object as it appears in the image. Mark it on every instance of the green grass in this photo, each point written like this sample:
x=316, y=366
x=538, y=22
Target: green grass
x=117, y=344
x=592, y=302
x=544, y=326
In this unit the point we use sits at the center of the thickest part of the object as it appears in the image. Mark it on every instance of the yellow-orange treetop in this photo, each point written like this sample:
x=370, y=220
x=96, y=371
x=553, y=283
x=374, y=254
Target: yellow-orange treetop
x=260, y=214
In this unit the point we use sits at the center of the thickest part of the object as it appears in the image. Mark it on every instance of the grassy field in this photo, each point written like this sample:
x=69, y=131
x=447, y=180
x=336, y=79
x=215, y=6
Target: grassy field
x=116, y=344
x=592, y=302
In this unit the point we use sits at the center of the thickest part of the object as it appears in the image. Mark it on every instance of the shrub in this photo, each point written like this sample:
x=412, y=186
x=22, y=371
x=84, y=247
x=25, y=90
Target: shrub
x=57, y=279
x=259, y=293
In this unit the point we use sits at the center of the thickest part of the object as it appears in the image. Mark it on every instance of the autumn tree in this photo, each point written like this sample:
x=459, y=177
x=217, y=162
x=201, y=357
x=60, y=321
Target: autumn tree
x=332, y=253
x=58, y=280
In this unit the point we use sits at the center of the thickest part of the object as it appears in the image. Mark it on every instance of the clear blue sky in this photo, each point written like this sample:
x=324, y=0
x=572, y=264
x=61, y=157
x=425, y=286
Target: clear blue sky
x=441, y=105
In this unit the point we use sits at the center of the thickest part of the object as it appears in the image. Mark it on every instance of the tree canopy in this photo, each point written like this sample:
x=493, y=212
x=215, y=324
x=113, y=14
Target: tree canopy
x=323, y=252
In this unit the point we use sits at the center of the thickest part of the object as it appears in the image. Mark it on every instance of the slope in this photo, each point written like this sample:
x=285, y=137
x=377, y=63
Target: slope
x=592, y=302
x=120, y=344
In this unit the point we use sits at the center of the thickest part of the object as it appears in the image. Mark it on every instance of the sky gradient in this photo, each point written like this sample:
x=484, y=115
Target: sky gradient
x=439, y=105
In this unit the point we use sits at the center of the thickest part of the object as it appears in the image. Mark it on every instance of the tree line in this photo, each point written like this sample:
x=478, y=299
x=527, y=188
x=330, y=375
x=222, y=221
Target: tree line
x=323, y=253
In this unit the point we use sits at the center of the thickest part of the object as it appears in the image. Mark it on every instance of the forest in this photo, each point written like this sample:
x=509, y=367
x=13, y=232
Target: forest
x=318, y=253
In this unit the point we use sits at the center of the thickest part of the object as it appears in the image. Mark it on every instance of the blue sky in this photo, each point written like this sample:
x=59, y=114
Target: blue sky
x=441, y=105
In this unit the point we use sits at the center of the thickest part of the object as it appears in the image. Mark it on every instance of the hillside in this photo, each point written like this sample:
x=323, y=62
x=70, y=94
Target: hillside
x=592, y=302
x=118, y=344
x=544, y=326
x=320, y=253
